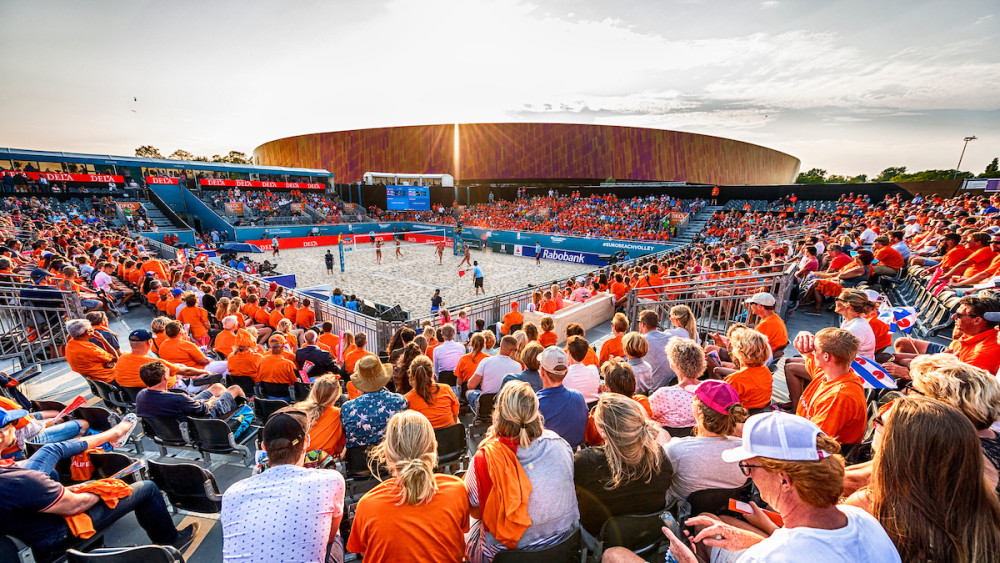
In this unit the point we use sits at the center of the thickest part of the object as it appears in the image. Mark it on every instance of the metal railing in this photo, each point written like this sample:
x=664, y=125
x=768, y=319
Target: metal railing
x=715, y=304
x=33, y=322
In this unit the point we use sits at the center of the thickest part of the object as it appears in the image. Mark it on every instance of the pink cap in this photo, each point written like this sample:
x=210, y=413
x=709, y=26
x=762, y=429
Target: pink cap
x=717, y=395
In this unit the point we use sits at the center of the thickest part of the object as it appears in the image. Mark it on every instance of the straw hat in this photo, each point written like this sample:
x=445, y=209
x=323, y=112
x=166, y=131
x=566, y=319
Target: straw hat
x=371, y=374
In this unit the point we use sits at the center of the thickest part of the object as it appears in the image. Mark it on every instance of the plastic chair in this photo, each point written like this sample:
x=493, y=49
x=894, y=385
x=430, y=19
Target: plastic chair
x=679, y=432
x=245, y=382
x=144, y=553
x=167, y=433
x=213, y=436
x=484, y=412
x=275, y=390
x=453, y=445
x=187, y=486
x=565, y=551
x=716, y=501
x=99, y=418
x=639, y=533
x=111, y=394
x=264, y=408
x=301, y=390
x=447, y=377
x=47, y=406
x=132, y=392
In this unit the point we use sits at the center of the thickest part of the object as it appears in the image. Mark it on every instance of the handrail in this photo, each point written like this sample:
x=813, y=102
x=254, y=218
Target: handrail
x=165, y=209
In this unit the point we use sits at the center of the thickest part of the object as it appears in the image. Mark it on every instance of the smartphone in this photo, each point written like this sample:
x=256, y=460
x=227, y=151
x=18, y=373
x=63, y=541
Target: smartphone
x=675, y=528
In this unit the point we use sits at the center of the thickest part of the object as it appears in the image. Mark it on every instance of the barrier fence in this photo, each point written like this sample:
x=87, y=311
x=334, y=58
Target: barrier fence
x=33, y=322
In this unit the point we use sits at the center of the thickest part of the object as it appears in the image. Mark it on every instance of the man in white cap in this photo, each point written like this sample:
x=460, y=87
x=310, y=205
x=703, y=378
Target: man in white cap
x=770, y=325
x=796, y=469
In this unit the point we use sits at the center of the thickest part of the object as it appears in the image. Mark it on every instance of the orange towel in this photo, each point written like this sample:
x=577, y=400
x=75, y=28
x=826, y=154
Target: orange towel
x=110, y=490
x=505, y=512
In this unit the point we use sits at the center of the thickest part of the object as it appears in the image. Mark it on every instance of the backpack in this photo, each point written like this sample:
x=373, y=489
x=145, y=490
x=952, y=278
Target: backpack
x=239, y=422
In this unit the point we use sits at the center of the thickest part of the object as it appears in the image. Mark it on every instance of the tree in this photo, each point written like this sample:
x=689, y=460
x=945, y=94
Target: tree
x=234, y=157
x=992, y=169
x=889, y=173
x=837, y=179
x=814, y=176
x=181, y=154
x=148, y=151
x=859, y=179
x=929, y=175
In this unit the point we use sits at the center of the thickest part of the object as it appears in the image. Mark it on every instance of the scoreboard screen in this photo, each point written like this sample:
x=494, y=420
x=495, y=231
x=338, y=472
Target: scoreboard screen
x=408, y=198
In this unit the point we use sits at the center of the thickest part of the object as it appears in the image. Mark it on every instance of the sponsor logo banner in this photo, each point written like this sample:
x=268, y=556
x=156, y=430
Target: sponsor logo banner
x=218, y=183
x=61, y=177
x=130, y=205
x=235, y=208
x=162, y=180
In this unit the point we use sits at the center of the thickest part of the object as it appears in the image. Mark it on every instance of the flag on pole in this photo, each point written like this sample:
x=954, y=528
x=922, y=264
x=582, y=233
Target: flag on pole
x=872, y=375
x=461, y=273
x=899, y=318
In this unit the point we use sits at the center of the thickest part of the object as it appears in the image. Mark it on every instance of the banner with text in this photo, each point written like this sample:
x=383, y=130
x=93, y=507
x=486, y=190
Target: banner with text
x=62, y=177
x=234, y=208
x=217, y=183
x=162, y=180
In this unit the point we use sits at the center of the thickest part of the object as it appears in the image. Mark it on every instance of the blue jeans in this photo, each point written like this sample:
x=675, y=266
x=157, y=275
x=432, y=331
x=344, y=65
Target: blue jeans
x=225, y=404
x=473, y=396
x=46, y=458
x=58, y=433
x=147, y=503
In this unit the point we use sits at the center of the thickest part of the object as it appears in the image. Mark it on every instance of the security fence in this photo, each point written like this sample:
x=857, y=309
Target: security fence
x=33, y=322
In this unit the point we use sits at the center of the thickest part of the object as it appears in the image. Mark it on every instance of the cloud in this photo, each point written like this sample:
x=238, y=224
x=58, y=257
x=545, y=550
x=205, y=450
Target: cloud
x=768, y=4
x=985, y=19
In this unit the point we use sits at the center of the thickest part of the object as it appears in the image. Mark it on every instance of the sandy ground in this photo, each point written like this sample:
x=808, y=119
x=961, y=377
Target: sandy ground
x=410, y=281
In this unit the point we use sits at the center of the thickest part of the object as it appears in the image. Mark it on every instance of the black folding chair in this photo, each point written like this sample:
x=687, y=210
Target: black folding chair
x=99, y=418
x=167, y=433
x=566, y=551
x=213, y=436
x=264, y=408
x=639, y=533
x=144, y=553
x=108, y=463
x=716, y=501
x=245, y=383
x=301, y=390
x=187, y=486
x=453, y=446
x=275, y=390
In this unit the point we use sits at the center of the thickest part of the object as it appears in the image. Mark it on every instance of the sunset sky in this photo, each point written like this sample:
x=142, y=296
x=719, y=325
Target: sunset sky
x=851, y=87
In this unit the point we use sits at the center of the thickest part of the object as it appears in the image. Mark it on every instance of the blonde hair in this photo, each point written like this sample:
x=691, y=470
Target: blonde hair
x=635, y=345
x=972, y=390
x=751, y=347
x=324, y=393
x=409, y=451
x=685, y=357
x=522, y=340
x=516, y=415
x=284, y=325
x=619, y=322
x=684, y=315
x=222, y=308
x=630, y=440
x=839, y=343
x=547, y=323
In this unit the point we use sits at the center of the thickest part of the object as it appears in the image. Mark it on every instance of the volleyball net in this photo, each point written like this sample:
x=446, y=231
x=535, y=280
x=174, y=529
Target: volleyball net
x=366, y=242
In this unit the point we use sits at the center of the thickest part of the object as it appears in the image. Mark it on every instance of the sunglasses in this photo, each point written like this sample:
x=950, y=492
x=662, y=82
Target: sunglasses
x=960, y=315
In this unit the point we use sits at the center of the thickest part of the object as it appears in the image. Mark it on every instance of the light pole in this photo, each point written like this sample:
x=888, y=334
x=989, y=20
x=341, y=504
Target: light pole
x=967, y=139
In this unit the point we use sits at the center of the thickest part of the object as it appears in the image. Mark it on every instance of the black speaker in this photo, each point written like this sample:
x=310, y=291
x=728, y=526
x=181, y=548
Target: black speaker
x=368, y=308
x=395, y=314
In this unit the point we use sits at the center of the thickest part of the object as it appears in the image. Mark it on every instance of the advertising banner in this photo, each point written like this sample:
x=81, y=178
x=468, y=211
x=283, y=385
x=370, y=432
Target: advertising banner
x=218, y=183
x=560, y=255
x=234, y=208
x=162, y=180
x=300, y=207
x=678, y=218
x=61, y=177
x=131, y=206
x=309, y=242
x=286, y=280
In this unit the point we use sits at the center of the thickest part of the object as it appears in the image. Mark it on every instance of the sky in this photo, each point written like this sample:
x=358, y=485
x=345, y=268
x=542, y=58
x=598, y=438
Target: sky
x=851, y=87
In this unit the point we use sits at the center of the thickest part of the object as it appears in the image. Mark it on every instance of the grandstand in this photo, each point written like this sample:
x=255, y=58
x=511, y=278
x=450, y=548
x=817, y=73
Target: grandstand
x=717, y=258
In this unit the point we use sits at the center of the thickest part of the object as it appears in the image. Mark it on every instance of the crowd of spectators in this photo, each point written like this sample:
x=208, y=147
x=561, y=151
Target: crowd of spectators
x=580, y=433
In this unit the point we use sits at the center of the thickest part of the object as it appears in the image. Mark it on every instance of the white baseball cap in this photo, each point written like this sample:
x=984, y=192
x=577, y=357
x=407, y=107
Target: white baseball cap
x=553, y=360
x=765, y=299
x=777, y=435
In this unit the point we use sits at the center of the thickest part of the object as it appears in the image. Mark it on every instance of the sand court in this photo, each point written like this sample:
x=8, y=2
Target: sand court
x=410, y=281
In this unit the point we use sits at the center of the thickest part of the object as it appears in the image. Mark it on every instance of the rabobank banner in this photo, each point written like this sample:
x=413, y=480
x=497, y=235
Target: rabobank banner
x=561, y=255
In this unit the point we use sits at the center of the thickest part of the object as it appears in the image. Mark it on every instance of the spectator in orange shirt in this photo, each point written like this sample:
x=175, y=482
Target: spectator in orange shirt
x=511, y=319
x=619, y=290
x=85, y=357
x=548, y=304
x=329, y=338
x=351, y=360
x=275, y=316
x=196, y=318
x=325, y=431
x=290, y=311
x=889, y=259
x=173, y=303
x=275, y=368
x=305, y=317
x=245, y=361
x=290, y=335
x=156, y=267
x=435, y=401
x=225, y=341
x=548, y=336
x=753, y=381
x=612, y=347
x=179, y=350
x=974, y=338
x=979, y=258
x=128, y=365
x=576, y=329
x=835, y=399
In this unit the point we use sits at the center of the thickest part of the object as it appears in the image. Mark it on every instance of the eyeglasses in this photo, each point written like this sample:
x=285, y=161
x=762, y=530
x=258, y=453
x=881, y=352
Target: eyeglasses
x=841, y=299
x=745, y=467
x=911, y=389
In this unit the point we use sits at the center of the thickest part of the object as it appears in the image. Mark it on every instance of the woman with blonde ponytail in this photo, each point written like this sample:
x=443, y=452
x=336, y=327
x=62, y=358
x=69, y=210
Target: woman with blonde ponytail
x=629, y=473
x=521, y=480
x=391, y=522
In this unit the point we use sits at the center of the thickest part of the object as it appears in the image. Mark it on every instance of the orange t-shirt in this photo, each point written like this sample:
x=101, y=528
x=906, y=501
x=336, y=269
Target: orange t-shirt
x=88, y=359
x=883, y=337
x=837, y=406
x=182, y=351
x=548, y=338
x=156, y=267
x=648, y=282
x=327, y=434
x=277, y=369
x=548, y=307
x=510, y=319
x=611, y=347
x=290, y=311
x=352, y=391
x=776, y=332
x=954, y=256
x=980, y=350
x=158, y=339
x=171, y=305
x=441, y=411
x=590, y=359
x=619, y=290
x=225, y=341
x=980, y=261
x=127, y=370
x=331, y=340
x=386, y=531
x=593, y=437
x=889, y=256
x=245, y=364
x=753, y=384
x=305, y=317
x=352, y=359
x=466, y=366
x=261, y=316
x=274, y=318
x=196, y=317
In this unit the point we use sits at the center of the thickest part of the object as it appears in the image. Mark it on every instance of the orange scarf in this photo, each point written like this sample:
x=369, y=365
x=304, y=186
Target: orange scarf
x=110, y=490
x=505, y=512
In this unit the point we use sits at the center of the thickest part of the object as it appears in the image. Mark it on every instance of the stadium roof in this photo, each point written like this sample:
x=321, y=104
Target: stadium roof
x=52, y=156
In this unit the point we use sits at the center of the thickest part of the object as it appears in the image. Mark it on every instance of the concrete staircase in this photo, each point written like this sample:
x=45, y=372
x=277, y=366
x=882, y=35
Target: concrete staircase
x=685, y=235
x=153, y=213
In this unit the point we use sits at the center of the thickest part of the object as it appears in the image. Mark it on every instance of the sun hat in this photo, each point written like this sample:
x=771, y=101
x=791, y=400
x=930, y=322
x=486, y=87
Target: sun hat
x=243, y=338
x=717, y=395
x=765, y=299
x=777, y=435
x=371, y=374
